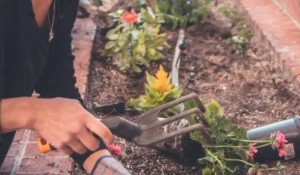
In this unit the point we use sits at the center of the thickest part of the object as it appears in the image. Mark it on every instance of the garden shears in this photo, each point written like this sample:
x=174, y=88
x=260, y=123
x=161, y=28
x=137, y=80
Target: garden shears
x=145, y=131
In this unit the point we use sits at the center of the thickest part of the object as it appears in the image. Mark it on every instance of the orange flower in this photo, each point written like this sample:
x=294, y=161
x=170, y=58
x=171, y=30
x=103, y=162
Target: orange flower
x=161, y=82
x=129, y=17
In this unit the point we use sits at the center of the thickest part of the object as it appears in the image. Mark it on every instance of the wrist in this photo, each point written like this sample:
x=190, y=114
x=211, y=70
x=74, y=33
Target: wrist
x=31, y=111
x=17, y=113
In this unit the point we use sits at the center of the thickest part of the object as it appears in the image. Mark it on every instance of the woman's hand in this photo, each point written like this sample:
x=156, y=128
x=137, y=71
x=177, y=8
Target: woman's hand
x=67, y=126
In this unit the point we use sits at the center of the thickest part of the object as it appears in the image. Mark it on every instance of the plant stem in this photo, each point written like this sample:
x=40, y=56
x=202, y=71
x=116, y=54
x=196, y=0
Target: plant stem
x=215, y=157
x=268, y=169
x=238, y=160
x=224, y=146
x=261, y=146
x=251, y=141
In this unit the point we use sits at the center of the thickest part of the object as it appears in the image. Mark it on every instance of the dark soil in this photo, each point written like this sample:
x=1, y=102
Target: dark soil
x=250, y=89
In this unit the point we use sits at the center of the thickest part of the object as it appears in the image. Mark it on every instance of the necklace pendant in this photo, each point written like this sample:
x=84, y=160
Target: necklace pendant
x=51, y=36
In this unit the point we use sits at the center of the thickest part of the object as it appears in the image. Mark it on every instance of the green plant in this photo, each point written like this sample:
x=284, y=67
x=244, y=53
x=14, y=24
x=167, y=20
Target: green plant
x=231, y=151
x=135, y=41
x=158, y=91
x=243, y=37
x=179, y=13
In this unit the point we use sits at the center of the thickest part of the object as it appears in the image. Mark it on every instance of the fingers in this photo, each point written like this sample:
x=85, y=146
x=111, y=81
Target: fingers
x=66, y=150
x=77, y=146
x=88, y=140
x=100, y=129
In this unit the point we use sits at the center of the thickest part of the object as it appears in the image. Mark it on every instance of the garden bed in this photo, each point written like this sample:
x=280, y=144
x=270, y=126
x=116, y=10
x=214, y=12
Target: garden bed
x=248, y=87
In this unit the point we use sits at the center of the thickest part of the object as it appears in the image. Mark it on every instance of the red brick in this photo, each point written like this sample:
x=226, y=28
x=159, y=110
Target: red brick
x=46, y=165
x=277, y=31
x=292, y=6
x=19, y=135
x=7, y=165
x=14, y=149
x=32, y=149
x=34, y=136
x=42, y=173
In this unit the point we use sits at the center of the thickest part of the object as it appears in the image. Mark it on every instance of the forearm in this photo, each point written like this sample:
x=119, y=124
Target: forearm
x=17, y=113
x=101, y=162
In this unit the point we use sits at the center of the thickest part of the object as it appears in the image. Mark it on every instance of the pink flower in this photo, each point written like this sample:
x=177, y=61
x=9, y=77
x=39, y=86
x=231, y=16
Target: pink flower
x=251, y=171
x=251, y=154
x=115, y=149
x=129, y=17
x=280, y=140
x=280, y=143
x=259, y=173
x=252, y=150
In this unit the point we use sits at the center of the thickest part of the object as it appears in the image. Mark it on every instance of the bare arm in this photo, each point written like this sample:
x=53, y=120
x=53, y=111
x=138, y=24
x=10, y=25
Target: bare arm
x=101, y=162
x=63, y=122
x=16, y=114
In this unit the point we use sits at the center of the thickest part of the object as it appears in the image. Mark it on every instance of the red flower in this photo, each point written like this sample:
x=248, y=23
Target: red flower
x=114, y=149
x=282, y=152
x=252, y=150
x=251, y=154
x=129, y=17
x=280, y=143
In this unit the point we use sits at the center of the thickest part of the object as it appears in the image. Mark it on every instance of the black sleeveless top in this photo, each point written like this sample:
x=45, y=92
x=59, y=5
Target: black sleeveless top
x=28, y=61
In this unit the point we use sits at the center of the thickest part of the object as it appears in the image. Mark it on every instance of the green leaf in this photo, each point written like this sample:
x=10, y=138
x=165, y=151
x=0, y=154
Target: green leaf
x=116, y=14
x=157, y=41
x=113, y=37
x=122, y=40
x=150, y=79
x=141, y=49
x=147, y=17
x=213, y=109
x=152, y=54
x=196, y=136
x=143, y=61
x=205, y=160
x=110, y=45
x=141, y=39
x=220, y=153
x=206, y=171
x=135, y=34
x=111, y=34
x=239, y=132
x=219, y=135
x=136, y=69
x=242, y=153
x=223, y=123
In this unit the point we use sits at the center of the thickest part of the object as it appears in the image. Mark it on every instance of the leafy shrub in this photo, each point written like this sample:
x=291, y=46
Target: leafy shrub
x=231, y=151
x=179, y=13
x=135, y=40
x=244, y=34
x=159, y=91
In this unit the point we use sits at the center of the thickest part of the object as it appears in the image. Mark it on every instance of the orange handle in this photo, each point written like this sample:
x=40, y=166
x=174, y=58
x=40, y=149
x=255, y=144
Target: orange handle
x=44, y=146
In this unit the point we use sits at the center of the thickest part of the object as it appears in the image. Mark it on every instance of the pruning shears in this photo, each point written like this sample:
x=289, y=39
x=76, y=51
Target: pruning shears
x=145, y=131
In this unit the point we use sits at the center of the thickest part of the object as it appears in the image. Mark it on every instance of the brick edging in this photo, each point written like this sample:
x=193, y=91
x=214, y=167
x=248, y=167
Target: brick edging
x=278, y=32
x=23, y=156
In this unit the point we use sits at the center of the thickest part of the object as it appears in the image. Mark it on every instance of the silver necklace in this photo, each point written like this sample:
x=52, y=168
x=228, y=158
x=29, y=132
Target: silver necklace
x=51, y=34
